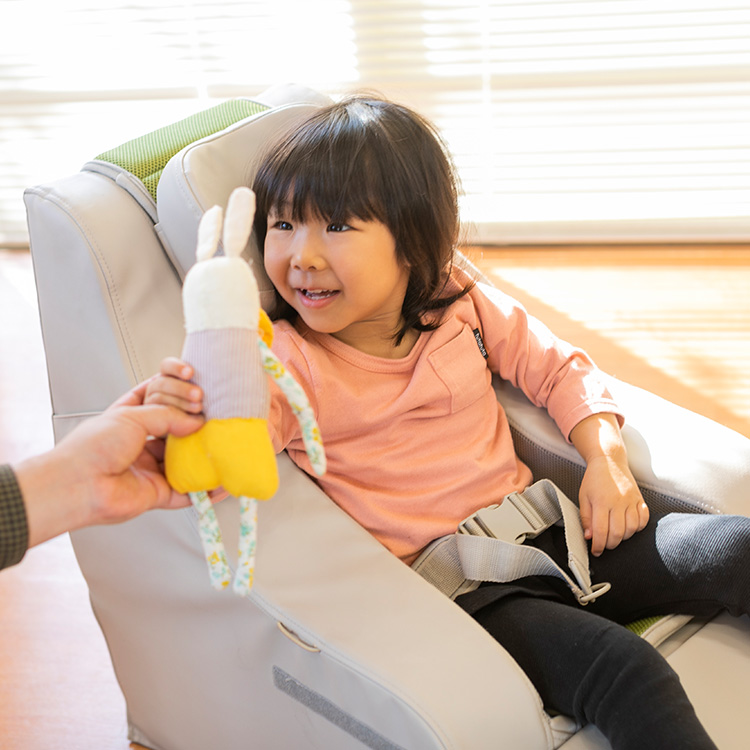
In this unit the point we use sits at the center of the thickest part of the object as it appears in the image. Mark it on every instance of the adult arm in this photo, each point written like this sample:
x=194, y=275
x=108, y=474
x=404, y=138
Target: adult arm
x=14, y=531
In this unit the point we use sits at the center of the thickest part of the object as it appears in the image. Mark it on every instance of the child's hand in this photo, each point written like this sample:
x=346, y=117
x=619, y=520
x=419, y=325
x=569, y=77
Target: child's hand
x=612, y=507
x=171, y=387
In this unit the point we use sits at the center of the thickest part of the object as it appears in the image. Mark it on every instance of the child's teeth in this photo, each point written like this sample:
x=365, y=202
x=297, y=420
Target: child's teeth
x=318, y=294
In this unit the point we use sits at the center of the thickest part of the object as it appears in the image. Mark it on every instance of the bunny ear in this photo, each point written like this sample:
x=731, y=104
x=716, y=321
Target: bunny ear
x=239, y=221
x=209, y=231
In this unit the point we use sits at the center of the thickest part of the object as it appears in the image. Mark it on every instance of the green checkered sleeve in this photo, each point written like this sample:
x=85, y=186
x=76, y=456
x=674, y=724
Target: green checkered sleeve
x=14, y=530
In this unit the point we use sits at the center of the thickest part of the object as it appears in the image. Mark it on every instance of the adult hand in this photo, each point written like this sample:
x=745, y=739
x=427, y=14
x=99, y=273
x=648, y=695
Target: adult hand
x=107, y=470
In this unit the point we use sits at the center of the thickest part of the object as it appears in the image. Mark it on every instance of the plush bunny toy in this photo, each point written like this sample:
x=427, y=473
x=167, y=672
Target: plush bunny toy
x=228, y=345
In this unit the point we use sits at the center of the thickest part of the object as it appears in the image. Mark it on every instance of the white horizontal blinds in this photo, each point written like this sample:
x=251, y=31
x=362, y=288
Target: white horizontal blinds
x=259, y=44
x=74, y=77
x=78, y=77
x=89, y=50
x=600, y=120
x=597, y=120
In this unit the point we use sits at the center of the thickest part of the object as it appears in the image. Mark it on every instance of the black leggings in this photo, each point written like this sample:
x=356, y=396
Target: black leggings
x=584, y=664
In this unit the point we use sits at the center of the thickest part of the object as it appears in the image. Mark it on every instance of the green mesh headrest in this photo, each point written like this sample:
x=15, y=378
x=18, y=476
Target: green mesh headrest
x=146, y=156
x=639, y=627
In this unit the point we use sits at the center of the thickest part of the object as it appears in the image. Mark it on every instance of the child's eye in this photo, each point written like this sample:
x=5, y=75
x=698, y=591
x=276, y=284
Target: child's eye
x=284, y=226
x=338, y=227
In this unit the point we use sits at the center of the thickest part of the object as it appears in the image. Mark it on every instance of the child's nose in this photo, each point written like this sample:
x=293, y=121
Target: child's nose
x=307, y=252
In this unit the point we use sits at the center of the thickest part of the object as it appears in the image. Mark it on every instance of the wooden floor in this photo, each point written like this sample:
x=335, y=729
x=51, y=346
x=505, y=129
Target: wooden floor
x=673, y=320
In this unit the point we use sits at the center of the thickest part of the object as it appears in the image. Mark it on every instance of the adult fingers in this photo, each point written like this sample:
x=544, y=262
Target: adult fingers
x=133, y=397
x=158, y=420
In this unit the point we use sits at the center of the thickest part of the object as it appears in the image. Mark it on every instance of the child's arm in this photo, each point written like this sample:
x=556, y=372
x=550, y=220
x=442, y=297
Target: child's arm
x=612, y=507
x=171, y=387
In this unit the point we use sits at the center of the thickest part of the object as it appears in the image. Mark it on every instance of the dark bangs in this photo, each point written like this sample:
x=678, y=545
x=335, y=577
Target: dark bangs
x=374, y=160
x=326, y=170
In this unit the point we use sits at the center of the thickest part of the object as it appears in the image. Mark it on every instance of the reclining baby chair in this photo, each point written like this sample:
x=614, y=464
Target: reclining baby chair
x=340, y=645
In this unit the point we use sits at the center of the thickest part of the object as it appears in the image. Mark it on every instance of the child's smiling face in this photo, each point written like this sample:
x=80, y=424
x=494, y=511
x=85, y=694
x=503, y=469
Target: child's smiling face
x=342, y=279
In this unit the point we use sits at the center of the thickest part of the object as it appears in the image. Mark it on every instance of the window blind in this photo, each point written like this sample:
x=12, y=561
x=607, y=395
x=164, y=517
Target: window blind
x=614, y=120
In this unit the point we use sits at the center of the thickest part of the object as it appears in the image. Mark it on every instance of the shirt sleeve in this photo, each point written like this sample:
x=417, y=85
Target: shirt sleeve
x=14, y=531
x=552, y=373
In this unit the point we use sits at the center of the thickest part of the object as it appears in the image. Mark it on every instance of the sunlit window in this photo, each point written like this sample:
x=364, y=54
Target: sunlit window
x=597, y=119
x=611, y=120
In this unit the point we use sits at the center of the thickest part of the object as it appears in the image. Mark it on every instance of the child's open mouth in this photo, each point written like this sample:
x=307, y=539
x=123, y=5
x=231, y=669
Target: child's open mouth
x=318, y=294
x=314, y=299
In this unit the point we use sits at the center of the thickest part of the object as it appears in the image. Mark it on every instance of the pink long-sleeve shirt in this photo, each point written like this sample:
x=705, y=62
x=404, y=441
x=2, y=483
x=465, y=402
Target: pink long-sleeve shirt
x=415, y=445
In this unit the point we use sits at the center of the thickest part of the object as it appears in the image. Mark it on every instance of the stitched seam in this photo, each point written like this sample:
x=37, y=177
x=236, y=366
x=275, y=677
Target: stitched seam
x=106, y=274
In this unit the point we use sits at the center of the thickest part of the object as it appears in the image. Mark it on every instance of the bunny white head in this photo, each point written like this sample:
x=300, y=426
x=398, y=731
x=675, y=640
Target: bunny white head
x=221, y=292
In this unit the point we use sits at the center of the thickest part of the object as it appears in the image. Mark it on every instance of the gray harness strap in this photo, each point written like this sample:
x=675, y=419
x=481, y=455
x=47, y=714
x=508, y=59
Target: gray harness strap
x=489, y=546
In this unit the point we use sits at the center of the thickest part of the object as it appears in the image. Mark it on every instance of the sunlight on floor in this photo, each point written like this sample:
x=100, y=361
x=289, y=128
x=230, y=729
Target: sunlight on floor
x=684, y=314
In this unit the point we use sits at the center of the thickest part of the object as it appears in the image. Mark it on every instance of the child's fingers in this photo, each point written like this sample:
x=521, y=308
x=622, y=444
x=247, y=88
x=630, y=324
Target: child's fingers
x=617, y=528
x=168, y=386
x=600, y=532
x=176, y=368
x=217, y=495
x=170, y=391
x=636, y=515
x=585, y=508
x=623, y=523
x=604, y=524
x=620, y=523
x=186, y=405
x=632, y=521
x=596, y=526
x=643, y=515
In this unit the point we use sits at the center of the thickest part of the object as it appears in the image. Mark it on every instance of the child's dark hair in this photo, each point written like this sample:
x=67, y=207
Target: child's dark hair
x=372, y=159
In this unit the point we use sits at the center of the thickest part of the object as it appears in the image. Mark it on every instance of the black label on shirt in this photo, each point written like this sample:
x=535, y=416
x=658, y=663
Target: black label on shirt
x=480, y=343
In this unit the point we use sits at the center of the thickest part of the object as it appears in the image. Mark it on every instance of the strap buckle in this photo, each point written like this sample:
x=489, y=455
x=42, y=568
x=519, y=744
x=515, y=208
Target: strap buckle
x=524, y=515
x=514, y=520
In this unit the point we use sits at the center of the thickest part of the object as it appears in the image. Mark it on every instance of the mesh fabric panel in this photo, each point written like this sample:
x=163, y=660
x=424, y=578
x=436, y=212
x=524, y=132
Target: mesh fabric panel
x=639, y=627
x=146, y=156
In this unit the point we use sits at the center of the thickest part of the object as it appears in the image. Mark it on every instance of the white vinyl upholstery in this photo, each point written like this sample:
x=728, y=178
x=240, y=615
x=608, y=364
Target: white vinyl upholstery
x=340, y=644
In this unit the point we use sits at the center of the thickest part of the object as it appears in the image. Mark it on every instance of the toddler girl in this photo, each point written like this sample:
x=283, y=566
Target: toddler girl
x=395, y=345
